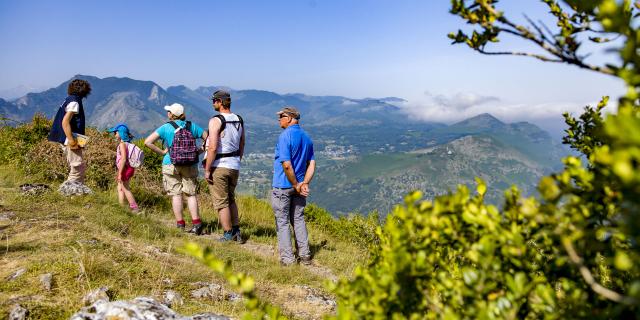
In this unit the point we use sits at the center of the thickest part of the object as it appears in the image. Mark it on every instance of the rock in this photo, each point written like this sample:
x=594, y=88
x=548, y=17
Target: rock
x=234, y=297
x=30, y=189
x=73, y=188
x=209, y=291
x=96, y=295
x=317, y=297
x=167, y=282
x=18, y=313
x=16, y=274
x=172, y=298
x=46, y=280
x=138, y=308
x=7, y=215
x=91, y=242
x=213, y=292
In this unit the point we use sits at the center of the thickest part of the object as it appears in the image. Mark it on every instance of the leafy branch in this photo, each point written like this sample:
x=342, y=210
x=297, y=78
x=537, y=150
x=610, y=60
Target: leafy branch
x=560, y=46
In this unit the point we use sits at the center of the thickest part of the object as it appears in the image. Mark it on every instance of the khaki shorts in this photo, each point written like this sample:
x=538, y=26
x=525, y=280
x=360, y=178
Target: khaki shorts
x=180, y=179
x=224, y=187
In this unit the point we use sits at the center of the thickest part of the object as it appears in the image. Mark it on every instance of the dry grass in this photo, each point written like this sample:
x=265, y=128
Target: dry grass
x=88, y=242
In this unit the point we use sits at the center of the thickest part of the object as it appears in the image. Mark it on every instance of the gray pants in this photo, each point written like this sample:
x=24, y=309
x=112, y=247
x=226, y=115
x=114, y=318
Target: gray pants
x=288, y=207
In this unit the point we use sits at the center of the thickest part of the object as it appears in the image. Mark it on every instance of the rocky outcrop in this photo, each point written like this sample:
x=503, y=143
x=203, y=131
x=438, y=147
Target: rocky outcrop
x=141, y=308
x=73, y=188
x=17, y=312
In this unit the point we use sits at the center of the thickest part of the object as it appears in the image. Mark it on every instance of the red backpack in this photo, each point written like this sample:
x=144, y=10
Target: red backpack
x=183, y=150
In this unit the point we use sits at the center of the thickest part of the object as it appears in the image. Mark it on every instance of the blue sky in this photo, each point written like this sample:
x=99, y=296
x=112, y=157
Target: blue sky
x=350, y=48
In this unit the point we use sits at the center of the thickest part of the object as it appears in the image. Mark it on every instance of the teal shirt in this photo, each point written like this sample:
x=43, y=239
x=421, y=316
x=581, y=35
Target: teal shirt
x=166, y=133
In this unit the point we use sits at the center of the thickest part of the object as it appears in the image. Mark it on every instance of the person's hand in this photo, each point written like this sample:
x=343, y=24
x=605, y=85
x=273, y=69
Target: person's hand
x=165, y=151
x=304, y=189
x=118, y=177
x=73, y=144
x=207, y=176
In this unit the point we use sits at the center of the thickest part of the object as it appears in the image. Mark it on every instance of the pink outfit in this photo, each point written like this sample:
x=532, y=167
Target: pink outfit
x=128, y=170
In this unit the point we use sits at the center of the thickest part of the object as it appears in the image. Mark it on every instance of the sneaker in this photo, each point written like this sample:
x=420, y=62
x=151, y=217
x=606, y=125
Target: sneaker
x=197, y=229
x=226, y=237
x=306, y=261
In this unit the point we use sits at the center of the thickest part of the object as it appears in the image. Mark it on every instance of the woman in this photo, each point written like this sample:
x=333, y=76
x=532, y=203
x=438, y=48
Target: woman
x=179, y=169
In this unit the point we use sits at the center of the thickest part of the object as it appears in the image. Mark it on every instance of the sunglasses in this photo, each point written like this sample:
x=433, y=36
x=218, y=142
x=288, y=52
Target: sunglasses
x=283, y=115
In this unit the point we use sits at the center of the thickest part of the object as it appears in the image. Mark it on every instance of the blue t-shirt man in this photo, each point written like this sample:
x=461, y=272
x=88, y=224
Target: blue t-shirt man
x=166, y=133
x=293, y=145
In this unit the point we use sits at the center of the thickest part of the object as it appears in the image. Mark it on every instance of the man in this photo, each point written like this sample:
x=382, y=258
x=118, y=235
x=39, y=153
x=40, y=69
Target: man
x=67, y=124
x=222, y=163
x=179, y=163
x=293, y=169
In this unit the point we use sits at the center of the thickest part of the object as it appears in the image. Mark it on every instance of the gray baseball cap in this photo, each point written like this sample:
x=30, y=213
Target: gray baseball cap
x=290, y=111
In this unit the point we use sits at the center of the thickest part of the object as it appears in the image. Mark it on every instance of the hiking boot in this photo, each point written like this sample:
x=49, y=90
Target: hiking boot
x=284, y=264
x=197, y=229
x=237, y=237
x=306, y=261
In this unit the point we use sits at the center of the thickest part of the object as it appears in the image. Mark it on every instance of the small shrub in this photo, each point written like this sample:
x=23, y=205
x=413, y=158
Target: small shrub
x=354, y=227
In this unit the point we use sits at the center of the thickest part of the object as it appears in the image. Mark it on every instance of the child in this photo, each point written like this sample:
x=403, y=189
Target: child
x=124, y=170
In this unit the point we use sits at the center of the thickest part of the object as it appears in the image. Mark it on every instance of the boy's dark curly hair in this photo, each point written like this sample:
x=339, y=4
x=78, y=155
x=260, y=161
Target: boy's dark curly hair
x=79, y=87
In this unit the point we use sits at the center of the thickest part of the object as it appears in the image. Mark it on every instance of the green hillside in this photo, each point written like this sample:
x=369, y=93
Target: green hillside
x=379, y=181
x=87, y=242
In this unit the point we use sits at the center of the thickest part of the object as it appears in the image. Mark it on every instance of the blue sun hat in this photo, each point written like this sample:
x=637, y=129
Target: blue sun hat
x=123, y=131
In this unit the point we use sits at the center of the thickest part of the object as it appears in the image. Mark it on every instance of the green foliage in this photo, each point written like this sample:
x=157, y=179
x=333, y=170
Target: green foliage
x=16, y=142
x=572, y=254
x=26, y=147
x=356, y=228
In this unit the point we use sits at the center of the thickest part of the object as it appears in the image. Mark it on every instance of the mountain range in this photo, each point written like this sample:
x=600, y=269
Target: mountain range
x=141, y=103
x=370, y=153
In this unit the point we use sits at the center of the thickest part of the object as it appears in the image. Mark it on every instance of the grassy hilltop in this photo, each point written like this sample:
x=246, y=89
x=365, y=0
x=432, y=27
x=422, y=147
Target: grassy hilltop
x=90, y=241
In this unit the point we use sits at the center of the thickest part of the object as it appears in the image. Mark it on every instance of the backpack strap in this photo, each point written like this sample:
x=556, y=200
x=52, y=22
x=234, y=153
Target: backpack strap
x=223, y=120
x=241, y=121
x=229, y=154
x=188, y=126
x=173, y=124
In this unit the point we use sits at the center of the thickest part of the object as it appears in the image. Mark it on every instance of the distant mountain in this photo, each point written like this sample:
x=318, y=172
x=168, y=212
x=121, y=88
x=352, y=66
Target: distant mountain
x=112, y=100
x=380, y=181
x=259, y=107
x=523, y=136
x=19, y=91
x=140, y=103
x=479, y=123
x=365, y=170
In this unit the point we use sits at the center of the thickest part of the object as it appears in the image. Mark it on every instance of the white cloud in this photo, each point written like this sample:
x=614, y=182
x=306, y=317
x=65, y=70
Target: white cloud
x=460, y=106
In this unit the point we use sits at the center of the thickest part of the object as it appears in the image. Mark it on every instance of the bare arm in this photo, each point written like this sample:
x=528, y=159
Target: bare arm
x=205, y=136
x=66, y=127
x=291, y=175
x=308, y=176
x=311, y=170
x=122, y=149
x=242, y=144
x=149, y=142
x=214, y=134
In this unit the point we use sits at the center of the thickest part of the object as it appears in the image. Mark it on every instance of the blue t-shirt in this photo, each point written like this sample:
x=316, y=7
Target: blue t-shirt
x=293, y=145
x=166, y=133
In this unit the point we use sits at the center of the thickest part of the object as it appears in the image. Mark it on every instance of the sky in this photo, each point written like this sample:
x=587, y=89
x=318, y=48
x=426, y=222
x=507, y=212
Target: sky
x=350, y=48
